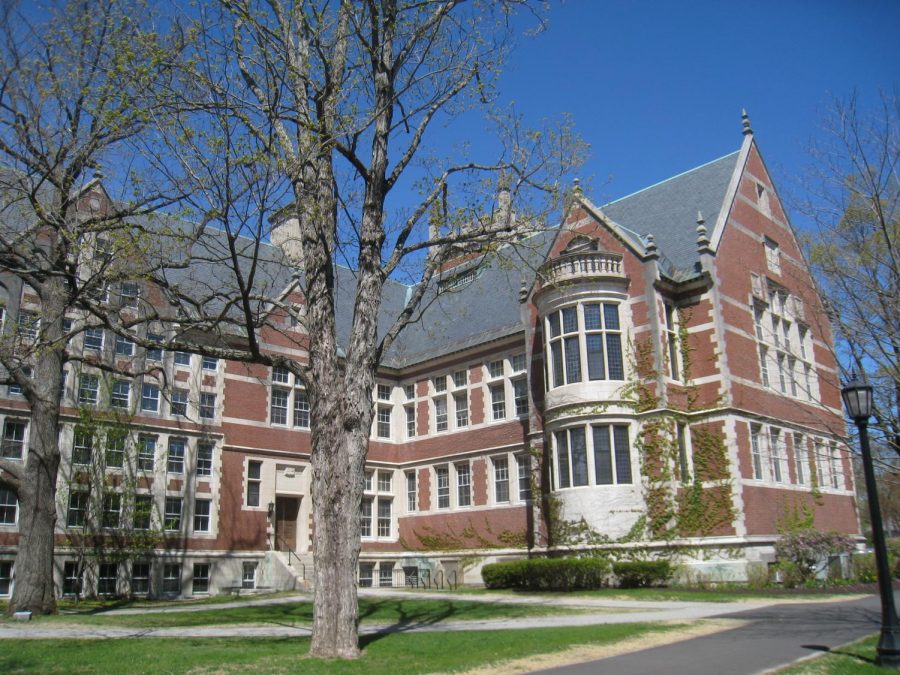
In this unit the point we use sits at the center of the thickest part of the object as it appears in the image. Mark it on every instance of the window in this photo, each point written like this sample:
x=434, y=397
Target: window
x=412, y=497
x=621, y=452
x=822, y=479
x=204, y=459
x=776, y=447
x=773, y=257
x=683, y=473
x=201, y=515
x=301, y=408
x=600, y=341
x=365, y=517
x=281, y=375
x=178, y=404
x=384, y=392
x=107, y=576
x=460, y=378
x=15, y=389
x=571, y=452
x=254, y=478
x=120, y=394
x=207, y=405
x=461, y=403
x=175, y=456
x=154, y=353
x=150, y=398
x=384, y=517
x=112, y=510
x=837, y=470
x=78, y=504
x=520, y=396
x=800, y=459
x=88, y=389
x=9, y=507
x=495, y=368
x=29, y=325
x=130, y=293
x=143, y=511
x=124, y=346
x=764, y=365
x=140, y=578
x=463, y=485
x=279, y=406
x=93, y=339
x=498, y=401
x=210, y=363
x=524, y=477
x=5, y=577
x=172, y=518
x=366, y=572
x=12, y=446
x=182, y=358
x=756, y=451
x=385, y=481
x=115, y=449
x=518, y=363
x=672, y=341
x=146, y=453
x=370, y=478
x=410, y=412
x=82, y=448
x=443, y=487
x=440, y=413
x=384, y=421
x=409, y=391
x=200, y=581
x=72, y=574
x=171, y=578
x=501, y=479
x=386, y=574
x=440, y=383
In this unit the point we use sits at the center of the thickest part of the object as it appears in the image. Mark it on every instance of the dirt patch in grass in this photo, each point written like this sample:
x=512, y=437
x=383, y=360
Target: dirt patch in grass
x=585, y=653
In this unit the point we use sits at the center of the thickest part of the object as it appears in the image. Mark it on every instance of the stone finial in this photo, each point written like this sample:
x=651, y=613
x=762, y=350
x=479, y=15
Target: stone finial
x=523, y=292
x=576, y=189
x=745, y=120
x=652, y=249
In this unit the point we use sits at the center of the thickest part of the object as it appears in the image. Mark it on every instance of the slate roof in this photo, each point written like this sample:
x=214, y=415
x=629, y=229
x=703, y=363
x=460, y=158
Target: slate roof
x=668, y=211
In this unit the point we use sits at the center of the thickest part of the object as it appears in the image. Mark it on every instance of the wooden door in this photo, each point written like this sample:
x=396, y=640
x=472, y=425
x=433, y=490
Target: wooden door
x=286, y=510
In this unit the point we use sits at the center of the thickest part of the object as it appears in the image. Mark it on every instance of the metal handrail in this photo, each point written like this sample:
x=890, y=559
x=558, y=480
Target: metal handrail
x=452, y=584
x=290, y=552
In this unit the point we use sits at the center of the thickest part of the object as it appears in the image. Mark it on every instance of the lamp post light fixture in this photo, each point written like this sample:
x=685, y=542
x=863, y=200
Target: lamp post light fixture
x=857, y=395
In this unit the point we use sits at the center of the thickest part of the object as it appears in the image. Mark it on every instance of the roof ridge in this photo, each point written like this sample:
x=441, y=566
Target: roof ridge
x=670, y=178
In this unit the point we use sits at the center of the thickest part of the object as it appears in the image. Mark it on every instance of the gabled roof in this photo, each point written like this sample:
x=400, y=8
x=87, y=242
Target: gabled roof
x=668, y=210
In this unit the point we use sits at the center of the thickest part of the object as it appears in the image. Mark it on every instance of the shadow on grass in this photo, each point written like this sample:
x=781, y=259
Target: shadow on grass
x=406, y=620
x=856, y=656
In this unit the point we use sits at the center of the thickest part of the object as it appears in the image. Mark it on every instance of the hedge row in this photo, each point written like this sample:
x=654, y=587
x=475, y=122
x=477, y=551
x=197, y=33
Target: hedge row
x=643, y=573
x=547, y=574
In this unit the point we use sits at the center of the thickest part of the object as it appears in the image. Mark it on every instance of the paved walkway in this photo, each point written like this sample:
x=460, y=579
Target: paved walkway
x=606, y=611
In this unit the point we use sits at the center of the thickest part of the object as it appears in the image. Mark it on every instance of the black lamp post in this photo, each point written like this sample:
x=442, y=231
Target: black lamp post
x=857, y=395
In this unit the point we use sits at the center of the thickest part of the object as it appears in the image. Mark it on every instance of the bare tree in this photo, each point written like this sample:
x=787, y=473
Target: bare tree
x=69, y=99
x=855, y=251
x=307, y=124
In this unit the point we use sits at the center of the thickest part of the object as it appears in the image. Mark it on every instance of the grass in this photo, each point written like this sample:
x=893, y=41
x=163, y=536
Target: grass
x=857, y=658
x=386, y=610
x=391, y=654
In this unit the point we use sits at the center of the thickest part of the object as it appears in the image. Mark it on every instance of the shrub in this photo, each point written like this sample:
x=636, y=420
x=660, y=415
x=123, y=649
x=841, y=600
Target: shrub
x=801, y=552
x=758, y=575
x=643, y=573
x=547, y=574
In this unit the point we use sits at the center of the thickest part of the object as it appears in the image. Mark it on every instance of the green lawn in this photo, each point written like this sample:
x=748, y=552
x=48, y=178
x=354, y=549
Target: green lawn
x=858, y=658
x=372, y=610
x=393, y=654
x=673, y=594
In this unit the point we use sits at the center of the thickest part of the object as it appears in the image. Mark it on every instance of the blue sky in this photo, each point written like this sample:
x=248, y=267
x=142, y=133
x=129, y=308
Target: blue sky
x=657, y=88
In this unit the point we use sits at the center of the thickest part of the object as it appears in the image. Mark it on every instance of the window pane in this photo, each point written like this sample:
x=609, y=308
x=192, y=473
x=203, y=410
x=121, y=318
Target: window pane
x=573, y=360
x=579, y=458
x=594, y=346
x=592, y=317
x=570, y=319
x=562, y=458
x=611, y=316
x=602, y=456
x=623, y=455
x=556, y=350
x=614, y=356
x=553, y=321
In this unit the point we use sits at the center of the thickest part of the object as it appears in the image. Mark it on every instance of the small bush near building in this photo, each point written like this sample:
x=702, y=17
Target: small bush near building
x=803, y=552
x=643, y=573
x=547, y=574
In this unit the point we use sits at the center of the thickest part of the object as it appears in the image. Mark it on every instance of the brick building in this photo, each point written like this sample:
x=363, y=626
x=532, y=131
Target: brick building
x=656, y=372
